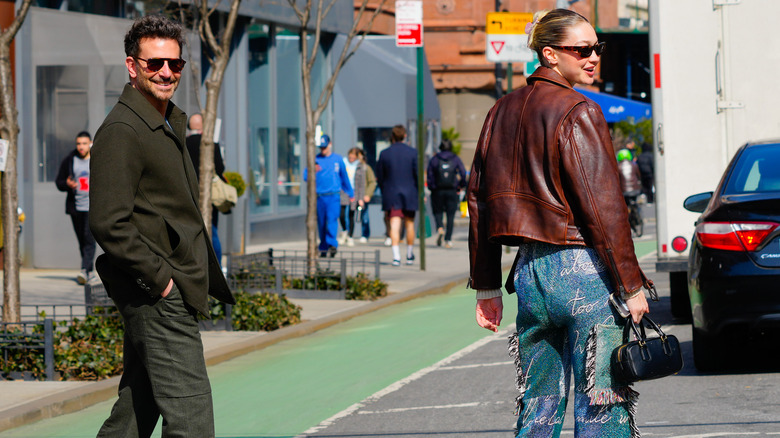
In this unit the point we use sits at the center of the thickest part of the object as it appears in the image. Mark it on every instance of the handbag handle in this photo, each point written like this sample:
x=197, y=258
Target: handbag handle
x=639, y=332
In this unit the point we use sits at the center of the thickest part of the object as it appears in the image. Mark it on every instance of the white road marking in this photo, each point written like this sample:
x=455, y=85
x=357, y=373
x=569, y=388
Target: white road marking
x=411, y=378
x=715, y=434
x=477, y=365
x=422, y=408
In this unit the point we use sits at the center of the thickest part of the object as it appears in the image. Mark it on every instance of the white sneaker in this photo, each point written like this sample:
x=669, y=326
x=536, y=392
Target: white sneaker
x=82, y=277
x=363, y=240
x=342, y=239
x=388, y=242
x=448, y=244
x=350, y=241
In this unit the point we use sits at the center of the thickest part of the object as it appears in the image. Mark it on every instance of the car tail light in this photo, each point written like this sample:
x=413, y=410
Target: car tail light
x=734, y=236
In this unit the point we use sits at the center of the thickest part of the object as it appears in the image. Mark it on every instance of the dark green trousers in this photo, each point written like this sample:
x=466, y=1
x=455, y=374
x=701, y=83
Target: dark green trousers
x=164, y=372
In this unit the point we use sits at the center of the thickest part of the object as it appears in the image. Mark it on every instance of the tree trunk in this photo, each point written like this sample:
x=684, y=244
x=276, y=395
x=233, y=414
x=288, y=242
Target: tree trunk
x=9, y=130
x=206, y=165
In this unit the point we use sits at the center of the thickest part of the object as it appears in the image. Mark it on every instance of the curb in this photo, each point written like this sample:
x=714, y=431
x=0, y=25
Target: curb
x=92, y=393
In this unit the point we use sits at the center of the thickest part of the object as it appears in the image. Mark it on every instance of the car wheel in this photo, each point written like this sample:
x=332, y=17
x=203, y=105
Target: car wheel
x=678, y=296
x=705, y=351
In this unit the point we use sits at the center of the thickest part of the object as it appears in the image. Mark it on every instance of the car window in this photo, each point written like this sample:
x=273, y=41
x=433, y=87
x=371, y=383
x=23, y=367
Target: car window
x=757, y=170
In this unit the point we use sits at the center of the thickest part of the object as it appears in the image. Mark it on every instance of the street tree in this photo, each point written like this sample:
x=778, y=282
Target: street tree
x=218, y=54
x=9, y=131
x=311, y=20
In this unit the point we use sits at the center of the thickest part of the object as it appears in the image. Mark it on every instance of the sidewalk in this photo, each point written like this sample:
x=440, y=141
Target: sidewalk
x=26, y=402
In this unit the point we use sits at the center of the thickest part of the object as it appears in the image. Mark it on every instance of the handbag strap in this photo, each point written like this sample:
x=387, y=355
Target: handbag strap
x=649, y=285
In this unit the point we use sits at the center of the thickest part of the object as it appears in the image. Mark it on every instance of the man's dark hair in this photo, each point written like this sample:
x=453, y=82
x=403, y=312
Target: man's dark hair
x=446, y=145
x=398, y=133
x=152, y=26
x=84, y=134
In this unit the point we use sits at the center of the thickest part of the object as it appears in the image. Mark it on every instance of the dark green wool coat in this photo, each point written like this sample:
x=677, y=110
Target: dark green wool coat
x=144, y=206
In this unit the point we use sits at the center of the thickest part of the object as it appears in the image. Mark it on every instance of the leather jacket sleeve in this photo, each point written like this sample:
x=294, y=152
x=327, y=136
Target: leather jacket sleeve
x=592, y=186
x=485, y=256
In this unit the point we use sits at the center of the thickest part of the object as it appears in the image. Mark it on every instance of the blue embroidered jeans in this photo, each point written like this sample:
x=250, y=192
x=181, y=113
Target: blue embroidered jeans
x=562, y=292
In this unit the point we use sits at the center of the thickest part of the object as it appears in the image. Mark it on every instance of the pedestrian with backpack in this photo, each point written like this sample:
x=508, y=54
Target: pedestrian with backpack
x=446, y=177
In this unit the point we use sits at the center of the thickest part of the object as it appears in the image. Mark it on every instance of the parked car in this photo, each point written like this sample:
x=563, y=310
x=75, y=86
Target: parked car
x=734, y=263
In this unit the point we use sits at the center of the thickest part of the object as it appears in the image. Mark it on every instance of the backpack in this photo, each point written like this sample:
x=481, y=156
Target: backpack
x=444, y=173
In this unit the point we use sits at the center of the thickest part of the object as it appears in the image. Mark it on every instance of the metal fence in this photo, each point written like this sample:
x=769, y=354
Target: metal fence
x=29, y=335
x=282, y=270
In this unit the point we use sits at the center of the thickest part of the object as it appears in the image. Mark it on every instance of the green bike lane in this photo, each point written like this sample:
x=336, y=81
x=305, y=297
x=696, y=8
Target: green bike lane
x=289, y=387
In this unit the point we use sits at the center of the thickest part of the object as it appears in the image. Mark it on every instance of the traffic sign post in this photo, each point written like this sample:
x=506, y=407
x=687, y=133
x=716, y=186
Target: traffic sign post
x=408, y=23
x=506, y=38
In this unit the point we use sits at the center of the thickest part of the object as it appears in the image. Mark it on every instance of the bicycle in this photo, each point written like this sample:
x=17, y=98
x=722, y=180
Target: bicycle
x=634, y=217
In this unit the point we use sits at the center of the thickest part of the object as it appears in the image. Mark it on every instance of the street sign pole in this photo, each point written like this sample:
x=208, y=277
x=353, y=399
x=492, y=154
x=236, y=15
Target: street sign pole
x=421, y=155
x=409, y=33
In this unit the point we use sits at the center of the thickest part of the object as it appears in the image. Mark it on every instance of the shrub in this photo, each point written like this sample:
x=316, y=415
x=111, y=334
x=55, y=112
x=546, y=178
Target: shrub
x=260, y=311
x=89, y=349
x=236, y=180
x=361, y=287
x=323, y=279
x=84, y=349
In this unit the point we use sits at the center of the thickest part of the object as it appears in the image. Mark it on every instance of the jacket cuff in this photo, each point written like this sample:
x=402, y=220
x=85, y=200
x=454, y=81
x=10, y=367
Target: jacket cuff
x=489, y=293
x=632, y=294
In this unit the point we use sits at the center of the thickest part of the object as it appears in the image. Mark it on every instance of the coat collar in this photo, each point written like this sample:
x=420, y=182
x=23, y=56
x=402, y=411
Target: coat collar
x=546, y=74
x=137, y=103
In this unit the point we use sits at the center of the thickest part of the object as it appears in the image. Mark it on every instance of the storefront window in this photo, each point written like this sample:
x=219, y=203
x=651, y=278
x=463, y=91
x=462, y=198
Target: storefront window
x=260, y=164
x=288, y=109
x=62, y=113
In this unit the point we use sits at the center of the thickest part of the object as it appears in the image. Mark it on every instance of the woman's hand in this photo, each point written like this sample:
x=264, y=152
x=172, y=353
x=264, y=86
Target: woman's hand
x=489, y=313
x=638, y=306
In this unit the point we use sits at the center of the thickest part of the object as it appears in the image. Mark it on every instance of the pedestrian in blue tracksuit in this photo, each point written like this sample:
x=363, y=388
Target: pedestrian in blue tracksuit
x=331, y=179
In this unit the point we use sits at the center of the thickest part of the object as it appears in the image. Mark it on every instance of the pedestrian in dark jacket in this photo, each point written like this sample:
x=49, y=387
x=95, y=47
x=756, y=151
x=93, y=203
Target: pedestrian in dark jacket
x=446, y=177
x=396, y=173
x=646, y=168
x=73, y=178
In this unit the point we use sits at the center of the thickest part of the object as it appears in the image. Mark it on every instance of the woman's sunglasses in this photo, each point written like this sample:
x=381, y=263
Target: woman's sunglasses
x=154, y=64
x=584, y=51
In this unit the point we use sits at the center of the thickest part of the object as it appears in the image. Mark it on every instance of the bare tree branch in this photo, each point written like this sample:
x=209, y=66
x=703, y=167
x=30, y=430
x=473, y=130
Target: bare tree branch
x=346, y=52
x=8, y=35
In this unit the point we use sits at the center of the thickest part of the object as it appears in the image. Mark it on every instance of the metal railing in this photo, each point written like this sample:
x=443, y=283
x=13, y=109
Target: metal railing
x=279, y=270
x=28, y=335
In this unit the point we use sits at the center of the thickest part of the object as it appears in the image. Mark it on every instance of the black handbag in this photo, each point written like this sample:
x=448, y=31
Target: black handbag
x=646, y=358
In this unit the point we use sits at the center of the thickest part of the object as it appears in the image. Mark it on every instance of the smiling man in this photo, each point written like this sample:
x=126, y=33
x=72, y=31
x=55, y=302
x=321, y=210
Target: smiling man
x=159, y=266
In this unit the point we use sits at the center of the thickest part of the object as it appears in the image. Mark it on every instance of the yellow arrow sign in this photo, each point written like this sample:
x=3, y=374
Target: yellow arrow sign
x=504, y=23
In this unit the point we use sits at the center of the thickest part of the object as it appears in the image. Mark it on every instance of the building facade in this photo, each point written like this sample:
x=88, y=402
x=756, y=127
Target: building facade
x=70, y=71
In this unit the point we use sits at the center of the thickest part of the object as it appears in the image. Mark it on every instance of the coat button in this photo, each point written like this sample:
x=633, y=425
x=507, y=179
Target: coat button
x=139, y=281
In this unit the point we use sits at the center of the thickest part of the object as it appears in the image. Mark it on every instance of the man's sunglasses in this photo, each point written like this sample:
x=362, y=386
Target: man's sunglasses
x=584, y=51
x=154, y=64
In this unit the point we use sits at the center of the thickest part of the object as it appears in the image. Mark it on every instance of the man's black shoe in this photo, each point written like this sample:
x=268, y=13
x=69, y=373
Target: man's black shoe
x=332, y=251
x=323, y=254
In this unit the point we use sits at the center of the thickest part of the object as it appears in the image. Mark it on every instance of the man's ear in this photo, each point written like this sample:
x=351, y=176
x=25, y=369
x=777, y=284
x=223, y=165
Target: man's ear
x=550, y=55
x=131, y=66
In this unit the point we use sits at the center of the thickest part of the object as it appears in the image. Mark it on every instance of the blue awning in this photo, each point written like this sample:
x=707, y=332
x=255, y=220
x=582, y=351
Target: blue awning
x=617, y=108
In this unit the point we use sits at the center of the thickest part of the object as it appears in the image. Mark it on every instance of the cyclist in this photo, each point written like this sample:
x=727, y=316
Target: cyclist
x=630, y=178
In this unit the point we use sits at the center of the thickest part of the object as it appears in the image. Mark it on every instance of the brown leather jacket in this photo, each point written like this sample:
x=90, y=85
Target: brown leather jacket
x=545, y=170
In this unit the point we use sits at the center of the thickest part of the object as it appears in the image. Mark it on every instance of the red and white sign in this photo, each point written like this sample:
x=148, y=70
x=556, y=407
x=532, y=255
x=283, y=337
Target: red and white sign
x=408, y=23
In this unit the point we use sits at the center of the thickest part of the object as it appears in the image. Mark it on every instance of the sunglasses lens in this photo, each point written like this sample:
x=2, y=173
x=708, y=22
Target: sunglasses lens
x=155, y=64
x=585, y=51
x=599, y=48
x=176, y=65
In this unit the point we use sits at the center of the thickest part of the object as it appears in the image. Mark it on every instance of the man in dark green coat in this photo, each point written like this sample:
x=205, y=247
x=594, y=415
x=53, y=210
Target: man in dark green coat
x=159, y=266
